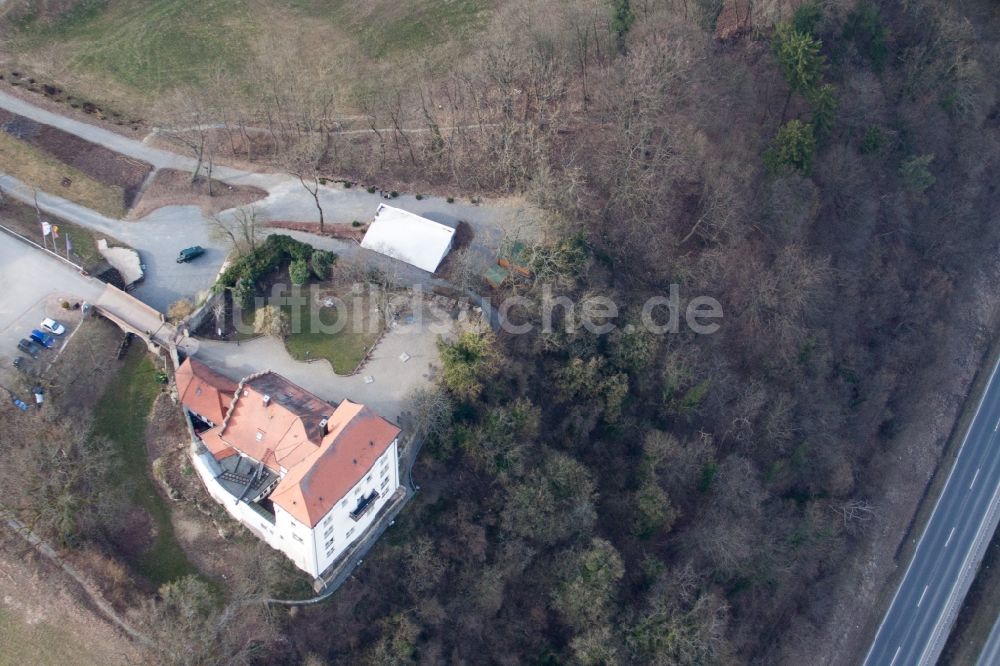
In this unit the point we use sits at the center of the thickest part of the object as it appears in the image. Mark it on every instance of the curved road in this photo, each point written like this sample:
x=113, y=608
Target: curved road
x=915, y=627
x=161, y=234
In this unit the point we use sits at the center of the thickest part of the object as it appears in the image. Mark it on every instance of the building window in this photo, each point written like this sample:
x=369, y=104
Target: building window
x=328, y=530
x=344, y=503
x=385, y=470
x=357, y=491
x=329, y=544
x=350, y=532
x=385, y=481
x=297, y=538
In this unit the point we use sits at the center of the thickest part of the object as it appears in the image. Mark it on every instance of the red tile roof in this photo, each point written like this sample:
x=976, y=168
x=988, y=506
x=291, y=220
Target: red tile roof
x=281, y=424
x=203, y=390
x=357, y=438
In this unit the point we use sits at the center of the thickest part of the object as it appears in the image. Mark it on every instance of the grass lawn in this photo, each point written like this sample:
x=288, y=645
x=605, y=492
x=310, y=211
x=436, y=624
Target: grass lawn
x=44, y=644
x=121, y=416
x=45, y=172
x=346, y=348
x=23, y=219
x=130, y=52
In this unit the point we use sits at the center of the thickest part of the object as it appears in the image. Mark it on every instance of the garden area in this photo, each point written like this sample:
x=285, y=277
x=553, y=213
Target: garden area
x=317, y=314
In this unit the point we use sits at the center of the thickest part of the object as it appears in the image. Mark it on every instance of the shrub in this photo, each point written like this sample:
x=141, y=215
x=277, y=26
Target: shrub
x=799, y=55
x=807, y=18
x=298, y=271
x=271, y=320
x=793, y=148
x=244, y=274
x=824, y=109
x=451, y=199
x=355, y=223
x=347, y=184
x=916, y=173
x=394, y=194
x=179, y=310
x=322, y=261
x=419, y=197
x=865, y=29
x=873, y=141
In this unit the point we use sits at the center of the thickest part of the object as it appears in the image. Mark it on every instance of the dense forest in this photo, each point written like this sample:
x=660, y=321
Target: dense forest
x=825, y=170
x=828, y=174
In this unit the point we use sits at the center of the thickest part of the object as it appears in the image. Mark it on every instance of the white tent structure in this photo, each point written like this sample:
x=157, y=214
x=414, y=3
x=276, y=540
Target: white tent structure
x=401, y=235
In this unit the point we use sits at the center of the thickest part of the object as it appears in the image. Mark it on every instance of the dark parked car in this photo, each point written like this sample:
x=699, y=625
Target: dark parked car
x=29, y=348
x=189, y=253
x=44, y=339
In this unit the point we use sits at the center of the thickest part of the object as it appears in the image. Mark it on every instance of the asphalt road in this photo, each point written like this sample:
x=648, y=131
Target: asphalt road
x=950, y=550
x=161, y=234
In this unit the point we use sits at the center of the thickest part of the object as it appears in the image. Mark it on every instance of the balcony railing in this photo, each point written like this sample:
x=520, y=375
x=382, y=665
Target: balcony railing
x=364, y=505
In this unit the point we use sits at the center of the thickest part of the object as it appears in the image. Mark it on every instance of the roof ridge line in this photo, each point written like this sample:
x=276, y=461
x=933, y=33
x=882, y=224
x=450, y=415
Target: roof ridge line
x=236, y=397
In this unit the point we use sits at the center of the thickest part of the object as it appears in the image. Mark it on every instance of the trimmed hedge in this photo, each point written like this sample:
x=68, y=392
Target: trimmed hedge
x=248, y=270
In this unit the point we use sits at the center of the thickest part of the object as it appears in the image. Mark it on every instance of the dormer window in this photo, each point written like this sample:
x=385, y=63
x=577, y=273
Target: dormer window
x=260, y=435
x=267, y=400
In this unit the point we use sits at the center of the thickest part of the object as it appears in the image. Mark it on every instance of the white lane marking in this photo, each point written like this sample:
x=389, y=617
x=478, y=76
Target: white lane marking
x=895, y=656
x=921, y=599
x=997, y=426
x=974, y=477
x=948, y=540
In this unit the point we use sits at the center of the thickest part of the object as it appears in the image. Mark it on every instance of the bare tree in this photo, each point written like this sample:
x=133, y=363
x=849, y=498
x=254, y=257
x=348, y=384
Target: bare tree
x=241, y=229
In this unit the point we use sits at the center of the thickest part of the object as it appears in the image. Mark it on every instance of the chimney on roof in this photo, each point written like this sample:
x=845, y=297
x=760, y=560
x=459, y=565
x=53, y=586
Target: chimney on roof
x=322, y=424
x=267, y=400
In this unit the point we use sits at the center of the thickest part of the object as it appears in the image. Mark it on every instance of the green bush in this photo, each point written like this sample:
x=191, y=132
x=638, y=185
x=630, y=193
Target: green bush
x=824, y=109
x=321, y=263
x=394, y=194
x=298, y=271
x=865, y=29
x=419, y=197
x=916, y=174
x=451, y=199
x=807, y=18
x=268, y=257
x=873, y=141
x=371, y=189
x=347, y=184
x=793, y=148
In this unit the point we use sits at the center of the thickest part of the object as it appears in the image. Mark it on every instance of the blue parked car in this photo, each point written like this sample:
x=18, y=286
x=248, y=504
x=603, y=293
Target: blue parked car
x=20, y=404
x=44, y=339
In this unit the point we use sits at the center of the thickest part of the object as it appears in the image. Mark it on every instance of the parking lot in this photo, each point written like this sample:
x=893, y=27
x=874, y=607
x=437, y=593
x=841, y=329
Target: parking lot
x=33, y=285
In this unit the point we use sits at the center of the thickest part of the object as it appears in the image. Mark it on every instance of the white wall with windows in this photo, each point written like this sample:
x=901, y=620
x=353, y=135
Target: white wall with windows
x=312, y=549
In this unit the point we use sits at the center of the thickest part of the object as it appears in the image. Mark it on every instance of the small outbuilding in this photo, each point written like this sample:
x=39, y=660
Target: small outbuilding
x=408, y=237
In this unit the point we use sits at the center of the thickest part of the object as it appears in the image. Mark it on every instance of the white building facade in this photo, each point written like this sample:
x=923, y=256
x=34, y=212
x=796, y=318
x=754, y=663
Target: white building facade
x=313, y=549
x=308, y=478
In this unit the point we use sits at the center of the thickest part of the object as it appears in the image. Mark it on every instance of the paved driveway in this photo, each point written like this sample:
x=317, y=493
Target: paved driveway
x=391, y=377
